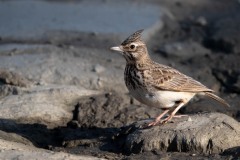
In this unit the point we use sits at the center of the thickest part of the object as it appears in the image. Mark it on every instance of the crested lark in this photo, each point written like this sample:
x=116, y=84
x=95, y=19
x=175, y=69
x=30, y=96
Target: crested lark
x=157, y=85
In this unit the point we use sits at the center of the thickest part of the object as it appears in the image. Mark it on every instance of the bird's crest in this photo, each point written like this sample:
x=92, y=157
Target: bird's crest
x=134, y=37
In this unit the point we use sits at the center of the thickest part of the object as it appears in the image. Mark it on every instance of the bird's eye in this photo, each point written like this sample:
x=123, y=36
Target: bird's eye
x=132, y=46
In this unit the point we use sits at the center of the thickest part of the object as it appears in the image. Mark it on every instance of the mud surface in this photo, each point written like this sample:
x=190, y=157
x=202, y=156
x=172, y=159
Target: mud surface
x=200, y=38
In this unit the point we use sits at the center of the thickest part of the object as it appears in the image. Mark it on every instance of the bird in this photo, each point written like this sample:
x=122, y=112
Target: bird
x=158, y=85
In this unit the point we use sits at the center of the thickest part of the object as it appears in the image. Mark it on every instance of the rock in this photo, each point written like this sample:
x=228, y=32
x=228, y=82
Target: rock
x=183, y=49
x=11, y=78
x=6, y=90
x=68, y=66
x=51, y=105
x=13, y=137
x=230, y=78
x=206, y=133
x=13, y=150
x=173, y=156
x=30, y=134
x=109, y=110
x=225, y=35
x=236, y=85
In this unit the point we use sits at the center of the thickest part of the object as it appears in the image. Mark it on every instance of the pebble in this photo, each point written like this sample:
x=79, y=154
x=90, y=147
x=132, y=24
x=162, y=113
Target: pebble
x=201, y=21
x=98, y=68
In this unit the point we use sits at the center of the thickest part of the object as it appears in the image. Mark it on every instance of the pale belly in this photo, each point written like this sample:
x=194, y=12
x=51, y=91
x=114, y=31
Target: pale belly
x=161, y=99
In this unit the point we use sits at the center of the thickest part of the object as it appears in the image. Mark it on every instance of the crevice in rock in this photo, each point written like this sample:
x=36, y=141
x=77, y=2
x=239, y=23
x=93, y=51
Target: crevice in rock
x=173, y=145
x=209, y=146
x=228, y=79
x=218, y=45
x=74, y=122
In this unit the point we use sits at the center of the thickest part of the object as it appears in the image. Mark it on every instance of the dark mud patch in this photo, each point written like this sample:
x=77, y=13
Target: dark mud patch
x=109, y=110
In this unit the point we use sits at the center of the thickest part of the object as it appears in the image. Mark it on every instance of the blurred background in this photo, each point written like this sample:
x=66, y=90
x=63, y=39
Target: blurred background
x=51, y=34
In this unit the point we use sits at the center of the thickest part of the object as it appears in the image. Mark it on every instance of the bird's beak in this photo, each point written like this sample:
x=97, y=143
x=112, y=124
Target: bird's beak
x=117, y=48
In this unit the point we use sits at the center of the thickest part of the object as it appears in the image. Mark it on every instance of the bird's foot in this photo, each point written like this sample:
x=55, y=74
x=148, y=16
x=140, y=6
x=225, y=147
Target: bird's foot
x=154, y=123
x=158, y=119
x=172, y=116
x=167, y=119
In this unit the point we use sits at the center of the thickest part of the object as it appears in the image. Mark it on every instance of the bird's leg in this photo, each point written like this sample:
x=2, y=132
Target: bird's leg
x=173, y=112
x=158, y=119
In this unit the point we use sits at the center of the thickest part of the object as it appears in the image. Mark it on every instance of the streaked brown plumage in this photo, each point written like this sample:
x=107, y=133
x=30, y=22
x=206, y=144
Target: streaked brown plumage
x=157, y=85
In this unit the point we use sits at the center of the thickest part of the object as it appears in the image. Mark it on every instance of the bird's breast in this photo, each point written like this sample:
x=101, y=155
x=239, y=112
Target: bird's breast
x=133, y=78
x=160, y=99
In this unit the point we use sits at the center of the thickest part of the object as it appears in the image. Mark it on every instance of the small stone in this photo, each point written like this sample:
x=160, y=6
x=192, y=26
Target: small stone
x=98, y=68
x=189, y=119
x=201, y=21
x=109, y=60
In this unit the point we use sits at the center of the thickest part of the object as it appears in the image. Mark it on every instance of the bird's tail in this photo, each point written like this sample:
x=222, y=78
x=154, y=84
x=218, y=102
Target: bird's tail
x=215, y=97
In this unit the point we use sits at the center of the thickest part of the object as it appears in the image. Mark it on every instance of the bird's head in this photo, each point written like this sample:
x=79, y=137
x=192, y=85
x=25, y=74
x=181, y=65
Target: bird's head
x=133, y=48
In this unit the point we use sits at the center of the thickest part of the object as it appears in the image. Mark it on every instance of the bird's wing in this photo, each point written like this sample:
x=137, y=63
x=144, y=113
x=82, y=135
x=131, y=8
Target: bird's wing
x=167, y=78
